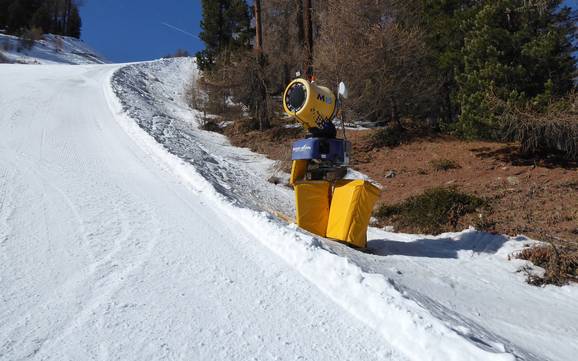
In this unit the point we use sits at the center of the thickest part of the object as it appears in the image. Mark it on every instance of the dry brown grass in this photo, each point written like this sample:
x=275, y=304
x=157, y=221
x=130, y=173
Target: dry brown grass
x=550, y=132
x=385, y=137
x=559, y=260
x=442, y=165
x=435, y=211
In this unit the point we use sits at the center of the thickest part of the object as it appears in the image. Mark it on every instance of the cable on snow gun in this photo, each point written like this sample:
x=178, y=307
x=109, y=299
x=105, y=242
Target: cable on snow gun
x=327, y=204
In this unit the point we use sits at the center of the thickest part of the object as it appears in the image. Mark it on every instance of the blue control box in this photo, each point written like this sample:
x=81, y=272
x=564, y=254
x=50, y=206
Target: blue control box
x=332, y=150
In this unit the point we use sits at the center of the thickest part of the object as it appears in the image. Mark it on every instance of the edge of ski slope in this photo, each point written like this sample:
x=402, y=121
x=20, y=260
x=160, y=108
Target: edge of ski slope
x=371, y=298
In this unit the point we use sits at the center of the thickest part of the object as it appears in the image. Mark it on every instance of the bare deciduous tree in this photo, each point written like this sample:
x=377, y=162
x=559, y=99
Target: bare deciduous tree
x=382, y=61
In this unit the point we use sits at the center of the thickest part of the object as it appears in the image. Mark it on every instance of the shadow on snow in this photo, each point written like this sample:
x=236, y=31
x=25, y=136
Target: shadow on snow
x=477, y=242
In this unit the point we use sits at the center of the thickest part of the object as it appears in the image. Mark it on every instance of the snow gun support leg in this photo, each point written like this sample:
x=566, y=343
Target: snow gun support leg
x=327, y=205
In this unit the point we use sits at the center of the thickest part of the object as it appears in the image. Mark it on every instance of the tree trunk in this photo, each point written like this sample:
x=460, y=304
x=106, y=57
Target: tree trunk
x=258, y=27
x=67, y=11
x=262, y=104
x=300, y=23
x=286, y=75
x=449, y=106
x=263, y=94
x=308, y=29
x=221, y=21
x=55, y=27
x=395, y=114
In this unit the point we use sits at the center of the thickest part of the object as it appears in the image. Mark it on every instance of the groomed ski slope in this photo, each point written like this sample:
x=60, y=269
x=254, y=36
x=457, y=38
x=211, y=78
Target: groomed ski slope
x=115, y=246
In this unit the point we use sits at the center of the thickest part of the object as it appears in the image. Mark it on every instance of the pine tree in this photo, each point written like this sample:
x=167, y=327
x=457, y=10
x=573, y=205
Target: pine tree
x=17, y=17
x=4, y=6
x=517, y=52
x=226, y=25
x=443, y=24
x=74, y=22
x=54, y=16
x=42, y=19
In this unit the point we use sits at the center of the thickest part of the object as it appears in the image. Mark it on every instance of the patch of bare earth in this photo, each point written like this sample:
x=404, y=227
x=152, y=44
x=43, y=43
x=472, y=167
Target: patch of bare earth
x=275, y=143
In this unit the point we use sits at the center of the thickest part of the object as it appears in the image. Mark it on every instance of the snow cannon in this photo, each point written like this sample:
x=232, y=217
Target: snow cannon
x=320, y=156
x=327, y=205
x=309, y=103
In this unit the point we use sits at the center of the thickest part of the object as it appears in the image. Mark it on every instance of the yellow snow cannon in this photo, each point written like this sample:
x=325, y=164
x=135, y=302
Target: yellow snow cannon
x=309, y=103
x=327, y=205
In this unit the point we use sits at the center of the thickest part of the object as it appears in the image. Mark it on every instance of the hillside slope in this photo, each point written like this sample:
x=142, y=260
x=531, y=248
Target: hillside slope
x=52, y=49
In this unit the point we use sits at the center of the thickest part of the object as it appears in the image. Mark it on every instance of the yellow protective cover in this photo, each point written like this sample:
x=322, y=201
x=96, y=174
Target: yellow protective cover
x=320, y=104
x=351, y=208
x=298, y=170
x=312, y=204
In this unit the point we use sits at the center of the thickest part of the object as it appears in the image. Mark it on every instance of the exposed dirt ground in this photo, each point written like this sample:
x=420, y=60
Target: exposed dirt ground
x=525, y=196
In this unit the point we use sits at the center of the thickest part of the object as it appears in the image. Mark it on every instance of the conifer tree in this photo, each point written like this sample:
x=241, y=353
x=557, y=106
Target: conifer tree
x=42, y=18
x=17, y=17
x=226, y=25
x=52, y=16
x=518, y=52
x=74, y=22
x=4, y=6
x=443, y=24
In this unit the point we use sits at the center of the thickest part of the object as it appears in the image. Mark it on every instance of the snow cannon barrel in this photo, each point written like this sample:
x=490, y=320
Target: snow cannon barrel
x=309, y=103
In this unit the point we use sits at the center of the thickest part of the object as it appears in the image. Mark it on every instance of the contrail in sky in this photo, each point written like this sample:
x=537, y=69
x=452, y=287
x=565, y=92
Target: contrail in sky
x=180, y=30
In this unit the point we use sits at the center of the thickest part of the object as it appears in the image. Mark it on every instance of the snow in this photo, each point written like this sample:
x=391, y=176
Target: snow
x=128, y=233
x=52, y=49
x=482, y=255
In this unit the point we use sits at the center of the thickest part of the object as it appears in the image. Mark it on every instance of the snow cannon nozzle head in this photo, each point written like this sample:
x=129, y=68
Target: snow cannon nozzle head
x=296, y=97
x=310, y=104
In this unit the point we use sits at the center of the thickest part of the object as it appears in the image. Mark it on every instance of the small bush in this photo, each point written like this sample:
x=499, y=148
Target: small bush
x=444, y=164
x=386, y=137
x=211, y=125
x=560, y=264
x=194, y=97
x=241, y=77
x=435, y=211
x=29, y=37
x=542, y=133
x=244, y=126
x=208, y=96
x=180, y=53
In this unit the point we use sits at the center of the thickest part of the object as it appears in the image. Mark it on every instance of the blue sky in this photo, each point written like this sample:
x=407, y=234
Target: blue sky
x=133, y=30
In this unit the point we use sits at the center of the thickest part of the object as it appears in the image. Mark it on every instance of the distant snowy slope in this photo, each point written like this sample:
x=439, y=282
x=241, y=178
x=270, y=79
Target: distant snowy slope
x=52, y=49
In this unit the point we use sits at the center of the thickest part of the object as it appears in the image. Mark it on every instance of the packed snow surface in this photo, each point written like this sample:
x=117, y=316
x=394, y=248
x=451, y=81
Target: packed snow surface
x=126, y=233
